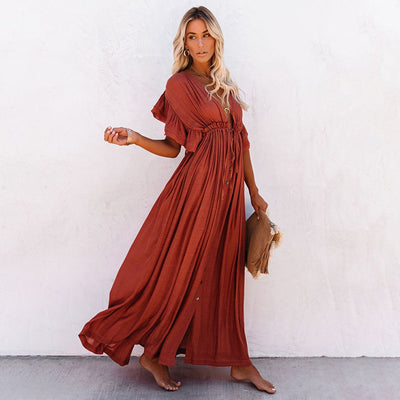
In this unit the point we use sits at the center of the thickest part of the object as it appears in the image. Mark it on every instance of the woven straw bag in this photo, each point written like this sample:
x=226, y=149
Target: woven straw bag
x=261, y=236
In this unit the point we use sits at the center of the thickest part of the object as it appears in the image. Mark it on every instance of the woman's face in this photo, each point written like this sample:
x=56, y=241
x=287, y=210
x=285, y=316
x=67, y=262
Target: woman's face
x=200, y=43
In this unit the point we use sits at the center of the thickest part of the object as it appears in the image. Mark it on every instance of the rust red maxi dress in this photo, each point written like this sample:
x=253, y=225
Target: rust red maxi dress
x=180, y=288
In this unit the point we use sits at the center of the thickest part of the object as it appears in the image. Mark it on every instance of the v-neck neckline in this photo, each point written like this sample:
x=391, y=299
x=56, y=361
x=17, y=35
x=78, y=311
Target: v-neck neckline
x=220, y=105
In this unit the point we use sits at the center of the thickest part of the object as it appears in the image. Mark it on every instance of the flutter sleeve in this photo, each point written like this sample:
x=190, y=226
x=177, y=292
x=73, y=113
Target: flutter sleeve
x=174, y=127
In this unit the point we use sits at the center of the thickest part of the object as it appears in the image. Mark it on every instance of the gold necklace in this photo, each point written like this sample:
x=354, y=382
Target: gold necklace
x=226, y=109
x=198, y=73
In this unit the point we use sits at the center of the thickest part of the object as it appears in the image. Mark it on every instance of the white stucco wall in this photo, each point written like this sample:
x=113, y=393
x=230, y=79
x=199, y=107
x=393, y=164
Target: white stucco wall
x=322, y=81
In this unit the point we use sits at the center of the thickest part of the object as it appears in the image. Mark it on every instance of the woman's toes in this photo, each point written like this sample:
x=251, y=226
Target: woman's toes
x=170, y=386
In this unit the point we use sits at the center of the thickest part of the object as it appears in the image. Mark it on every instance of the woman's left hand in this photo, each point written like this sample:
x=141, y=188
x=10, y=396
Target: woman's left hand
x=258, y=203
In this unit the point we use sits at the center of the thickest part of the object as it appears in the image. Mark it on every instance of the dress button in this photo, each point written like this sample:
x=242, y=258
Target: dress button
x=227, y=182
x=197, y=297
x=201, y=281
x=230, y=167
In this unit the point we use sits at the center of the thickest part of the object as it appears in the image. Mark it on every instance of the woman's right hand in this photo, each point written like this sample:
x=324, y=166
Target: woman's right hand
x=119, y=136
x=166, y=147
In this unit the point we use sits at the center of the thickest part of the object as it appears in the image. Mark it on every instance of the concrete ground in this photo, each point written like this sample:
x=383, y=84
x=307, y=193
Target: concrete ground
x=99, y=378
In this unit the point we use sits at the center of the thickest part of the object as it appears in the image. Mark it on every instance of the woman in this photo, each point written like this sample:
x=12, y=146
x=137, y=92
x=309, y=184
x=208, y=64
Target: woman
x=180, y=288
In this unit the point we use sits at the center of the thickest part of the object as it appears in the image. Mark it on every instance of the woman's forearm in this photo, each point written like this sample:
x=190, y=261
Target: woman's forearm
x=249, y=174
x=256, y=200
x=162, y=147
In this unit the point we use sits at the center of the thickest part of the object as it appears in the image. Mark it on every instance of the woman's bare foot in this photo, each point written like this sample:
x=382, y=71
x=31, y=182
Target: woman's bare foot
x=250, y=372
x=160, y=373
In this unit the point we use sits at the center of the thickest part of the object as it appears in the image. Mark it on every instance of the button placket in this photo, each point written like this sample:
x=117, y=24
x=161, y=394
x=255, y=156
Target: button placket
x=197, y=298
x=230, y=164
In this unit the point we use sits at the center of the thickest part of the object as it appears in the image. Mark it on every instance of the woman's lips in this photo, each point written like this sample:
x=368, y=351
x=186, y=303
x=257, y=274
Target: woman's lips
x=202, y=54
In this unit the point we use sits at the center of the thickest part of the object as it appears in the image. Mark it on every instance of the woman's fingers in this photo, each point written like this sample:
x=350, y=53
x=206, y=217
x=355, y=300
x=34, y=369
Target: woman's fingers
x=263, y=204
x=259, y=204
x=111, y=134
x=256, y=209
x=107, y=133
x=114, y=135
x=119, y=130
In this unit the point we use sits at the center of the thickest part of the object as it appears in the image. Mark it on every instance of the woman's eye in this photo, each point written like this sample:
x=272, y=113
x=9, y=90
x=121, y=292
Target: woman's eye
x=206, y=35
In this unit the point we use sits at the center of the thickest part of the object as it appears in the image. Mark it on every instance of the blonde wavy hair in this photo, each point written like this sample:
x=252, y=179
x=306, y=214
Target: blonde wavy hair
x=219, y=73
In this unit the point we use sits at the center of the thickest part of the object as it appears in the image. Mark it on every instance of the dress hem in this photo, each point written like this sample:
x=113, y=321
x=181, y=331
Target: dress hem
x=206, y=361
x=187, y=360
x=218, y=363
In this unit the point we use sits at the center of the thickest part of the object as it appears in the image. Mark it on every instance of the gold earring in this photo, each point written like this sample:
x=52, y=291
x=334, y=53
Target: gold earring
x=184, y=52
